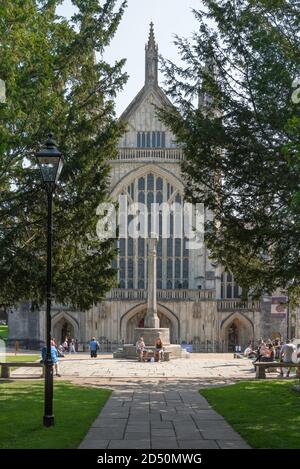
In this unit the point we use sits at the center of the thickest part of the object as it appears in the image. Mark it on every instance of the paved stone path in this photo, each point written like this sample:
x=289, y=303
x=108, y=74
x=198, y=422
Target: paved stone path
x=155, y=405
x=160, y=420
x=212, y=366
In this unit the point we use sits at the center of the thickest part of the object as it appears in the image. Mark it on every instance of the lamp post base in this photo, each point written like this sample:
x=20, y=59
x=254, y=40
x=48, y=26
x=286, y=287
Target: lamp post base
x=48, y=409
x=48, y=420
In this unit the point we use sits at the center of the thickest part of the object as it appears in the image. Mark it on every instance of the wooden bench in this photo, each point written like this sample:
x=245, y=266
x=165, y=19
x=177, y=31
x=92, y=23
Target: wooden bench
x=6, y=366
x=260, y=368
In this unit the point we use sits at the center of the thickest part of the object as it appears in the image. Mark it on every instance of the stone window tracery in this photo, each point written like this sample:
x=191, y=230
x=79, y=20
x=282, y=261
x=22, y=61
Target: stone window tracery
x=152, y=139
x=172, y=254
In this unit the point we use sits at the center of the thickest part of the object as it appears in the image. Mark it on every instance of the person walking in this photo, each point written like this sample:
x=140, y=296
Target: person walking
x=94, y=347
x=72, y=347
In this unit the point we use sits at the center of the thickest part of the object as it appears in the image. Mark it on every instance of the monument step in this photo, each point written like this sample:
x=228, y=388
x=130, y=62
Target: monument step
x=173, y=350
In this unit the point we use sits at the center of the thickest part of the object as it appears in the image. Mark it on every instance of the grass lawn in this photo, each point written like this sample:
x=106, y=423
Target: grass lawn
x=265, y=413
x=21, y=403
x=20, y=358
x=3, y=332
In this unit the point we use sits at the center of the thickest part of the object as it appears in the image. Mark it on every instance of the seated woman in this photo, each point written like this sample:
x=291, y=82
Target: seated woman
x=60, y=351
x=158, y=352
x=141, y=350
x=268, y=354
x=260, y=353
x=249, y=352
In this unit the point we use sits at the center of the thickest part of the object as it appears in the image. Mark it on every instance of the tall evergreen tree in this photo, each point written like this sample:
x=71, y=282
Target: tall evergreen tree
x=241, y=140
x=54, y=83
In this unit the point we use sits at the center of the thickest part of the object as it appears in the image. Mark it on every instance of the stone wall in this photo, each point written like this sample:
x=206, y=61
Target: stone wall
x=192, y=322
x=24, y=326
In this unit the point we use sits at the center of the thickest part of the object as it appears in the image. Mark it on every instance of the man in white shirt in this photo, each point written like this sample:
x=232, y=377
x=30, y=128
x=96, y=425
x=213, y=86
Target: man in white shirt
x=286, y=353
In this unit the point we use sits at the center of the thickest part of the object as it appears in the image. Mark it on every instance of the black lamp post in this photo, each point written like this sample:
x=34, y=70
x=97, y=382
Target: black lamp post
x=50, y=161
x=288, y=317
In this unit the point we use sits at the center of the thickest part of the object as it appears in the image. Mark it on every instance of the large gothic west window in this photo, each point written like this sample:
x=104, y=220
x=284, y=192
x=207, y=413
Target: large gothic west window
x=172, y=253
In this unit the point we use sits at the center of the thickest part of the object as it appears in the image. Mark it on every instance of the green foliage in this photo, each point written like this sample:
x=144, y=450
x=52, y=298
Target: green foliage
x=3, y=332
x=242, y=142
x=266, y=414
x=54, y=83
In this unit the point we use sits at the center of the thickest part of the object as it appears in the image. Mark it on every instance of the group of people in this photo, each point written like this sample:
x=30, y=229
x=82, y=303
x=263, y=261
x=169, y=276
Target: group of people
x=57, y=351
x=270, y=350
x=68, y=346
x=265, y=351
x=143, y=352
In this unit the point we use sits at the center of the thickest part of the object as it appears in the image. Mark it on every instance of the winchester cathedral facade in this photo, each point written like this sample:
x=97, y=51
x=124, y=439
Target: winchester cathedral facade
x=196, y=299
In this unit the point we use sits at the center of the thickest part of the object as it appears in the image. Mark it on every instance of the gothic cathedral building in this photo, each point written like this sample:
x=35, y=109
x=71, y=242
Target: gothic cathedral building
x=197, y=300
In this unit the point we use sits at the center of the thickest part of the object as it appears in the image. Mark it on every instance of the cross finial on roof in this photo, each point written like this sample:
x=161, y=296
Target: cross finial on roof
x=151, y=41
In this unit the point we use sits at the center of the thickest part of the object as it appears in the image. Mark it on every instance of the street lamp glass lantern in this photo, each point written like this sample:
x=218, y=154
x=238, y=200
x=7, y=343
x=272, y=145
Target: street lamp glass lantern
x=50, y=161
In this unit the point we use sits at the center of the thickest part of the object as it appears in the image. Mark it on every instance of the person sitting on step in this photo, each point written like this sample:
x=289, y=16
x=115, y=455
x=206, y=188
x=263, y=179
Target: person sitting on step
x=141, y=350
x=158, y=352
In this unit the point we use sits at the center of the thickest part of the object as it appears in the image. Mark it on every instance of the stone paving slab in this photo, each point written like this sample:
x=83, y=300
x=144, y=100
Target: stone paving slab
x=198, y=444
x=161, y=425
x=129, y=444
x=204, y=414
x=136, y=428
x=137, y=436
x=189, y=424
x=94, y=444
x=164, y=443
x=233, y=444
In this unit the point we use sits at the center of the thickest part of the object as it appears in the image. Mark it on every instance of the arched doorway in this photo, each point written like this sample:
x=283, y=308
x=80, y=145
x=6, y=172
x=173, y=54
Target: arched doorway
x=236, y=329
x=139, y=320
x=67, y=331
x=233, y=335
x=63, y=325
x=135, y=318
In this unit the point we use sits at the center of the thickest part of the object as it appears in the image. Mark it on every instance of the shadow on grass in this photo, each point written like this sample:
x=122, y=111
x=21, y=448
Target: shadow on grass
x=265, y=413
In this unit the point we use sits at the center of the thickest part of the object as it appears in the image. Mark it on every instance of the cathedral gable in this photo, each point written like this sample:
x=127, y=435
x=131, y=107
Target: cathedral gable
x=141, y=114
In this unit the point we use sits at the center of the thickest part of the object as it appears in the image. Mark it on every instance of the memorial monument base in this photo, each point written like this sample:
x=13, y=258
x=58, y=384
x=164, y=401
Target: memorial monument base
x=150, y=335
x=152, y=331
x=128, y=351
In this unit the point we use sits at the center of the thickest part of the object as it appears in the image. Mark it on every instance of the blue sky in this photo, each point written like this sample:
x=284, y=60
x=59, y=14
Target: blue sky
x=169, y=16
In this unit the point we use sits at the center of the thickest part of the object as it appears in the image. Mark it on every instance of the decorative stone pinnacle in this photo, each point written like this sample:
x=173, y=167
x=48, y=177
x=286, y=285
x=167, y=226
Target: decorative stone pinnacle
x=151, y=41
x=151, y=75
